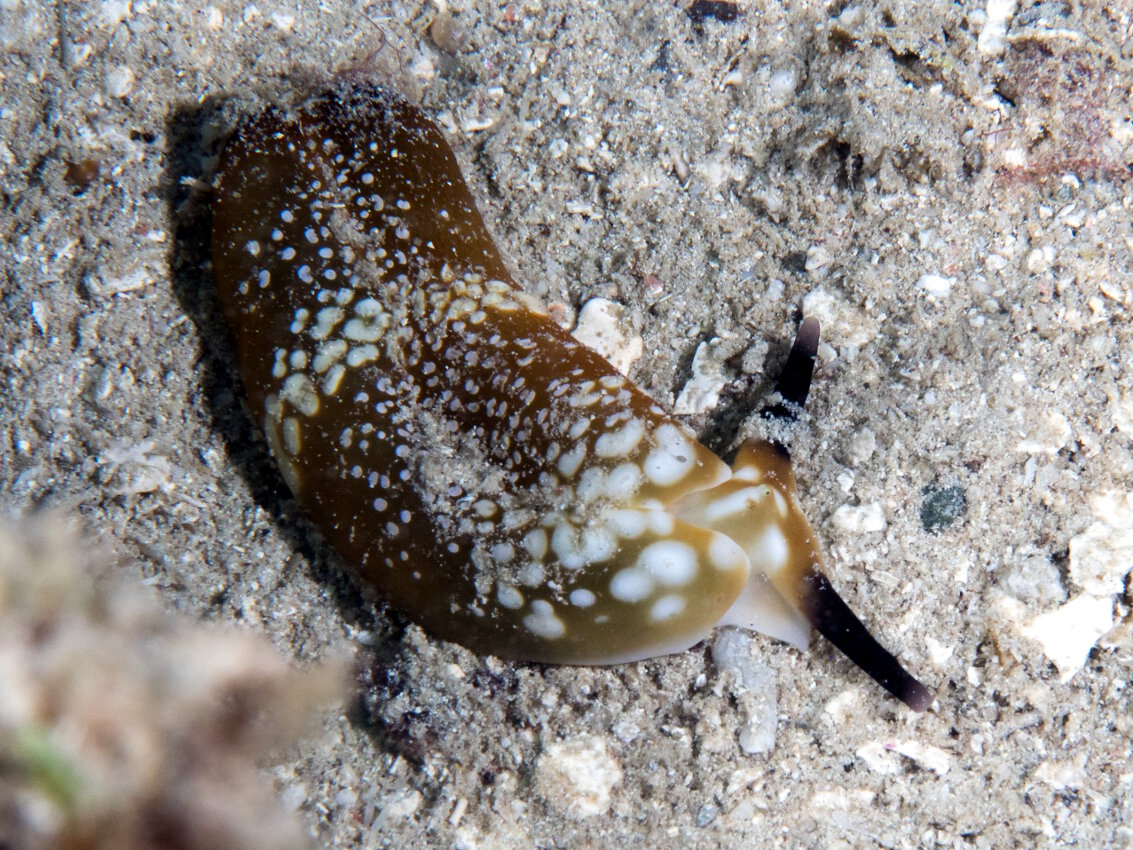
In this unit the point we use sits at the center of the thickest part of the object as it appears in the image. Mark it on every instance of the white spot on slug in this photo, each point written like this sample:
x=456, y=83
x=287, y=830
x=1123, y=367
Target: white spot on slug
x=509, y=597
x=564, y=543
x=542, y=620
x=333, y=379
x=733, y=503
x=291, y=441
x=626, y=523
x=531, y=575
x=771, y=550
x=671, y=459
x=535, y=543
x=328, y=353
x=621, y=442
x=326, y=320
x=667, y=607
x=631, y=585
x=598, y=545
x=571, y=460
x=670, y=562
x=300, y=393
x=361, y=355
x=582, y=598
x=724, y=553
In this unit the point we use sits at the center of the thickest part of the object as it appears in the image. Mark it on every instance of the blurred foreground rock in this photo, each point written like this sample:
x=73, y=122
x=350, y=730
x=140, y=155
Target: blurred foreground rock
x=125, y=725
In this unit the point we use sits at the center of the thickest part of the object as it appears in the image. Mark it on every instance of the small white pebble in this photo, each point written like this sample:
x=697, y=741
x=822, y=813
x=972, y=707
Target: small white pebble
x=938, y=653
x=996, y=263
x=1069, y=632
x=283, y=21
x=782, y=84
x=992, y=37
x=859, y=519
x=1102, y=555
x=119, y=81
x=606, y=327
x=817, y=257
x=936, y=286
x=1065, y=774
x=578, y=775
x=1040, y=260
x=702, y=391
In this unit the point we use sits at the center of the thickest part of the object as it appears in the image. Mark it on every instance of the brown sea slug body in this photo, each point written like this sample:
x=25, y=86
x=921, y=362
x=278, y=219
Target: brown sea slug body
x=492, y=477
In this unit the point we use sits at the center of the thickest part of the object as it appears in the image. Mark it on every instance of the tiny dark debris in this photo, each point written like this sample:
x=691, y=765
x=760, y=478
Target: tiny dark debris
x=794, y=262
x=719, y=10
x=80, y=175
x=941, y=506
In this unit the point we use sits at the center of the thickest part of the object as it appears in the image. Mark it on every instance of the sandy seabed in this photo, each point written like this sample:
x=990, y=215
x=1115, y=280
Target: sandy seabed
x=948, y=189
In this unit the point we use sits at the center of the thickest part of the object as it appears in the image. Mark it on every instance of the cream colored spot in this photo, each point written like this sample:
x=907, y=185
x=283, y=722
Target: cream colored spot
x=771, y=550
x=291, y=439
x=498, y=302
x=571, y=460
x=509, y=597
x=578, y=429
x=485, y=508
x=780, y=503
x=564, y=543
x=279, y=369
x=623, y=481
x=670, y=562
x=667, y=607
x=300, y=322
x=584, y=399
x=672, y=457
x=535, y=543
x=369, y=324
x=502, y=553
x=748, y=473
x=542, y=620
x=531, y=575
x=621, y=442
x=326, y=320
x=333, y=379
x=724, y=553
x=631, y=585
x=734, y=503
x=598, y=545
x=271, y=431
x=361, y=355
x=661, y=523
x=300, y=393
x=591, y=484
x=459, y=307
x=626, y=523
x=329, y=353
x=533, y=304
x=582, y=598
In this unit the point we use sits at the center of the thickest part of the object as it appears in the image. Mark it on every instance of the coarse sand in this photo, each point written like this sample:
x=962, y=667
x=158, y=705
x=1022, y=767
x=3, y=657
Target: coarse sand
x=947, y=186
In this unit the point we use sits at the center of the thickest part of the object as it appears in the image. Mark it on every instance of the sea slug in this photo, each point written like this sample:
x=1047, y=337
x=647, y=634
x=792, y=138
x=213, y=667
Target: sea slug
x=492, y=477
